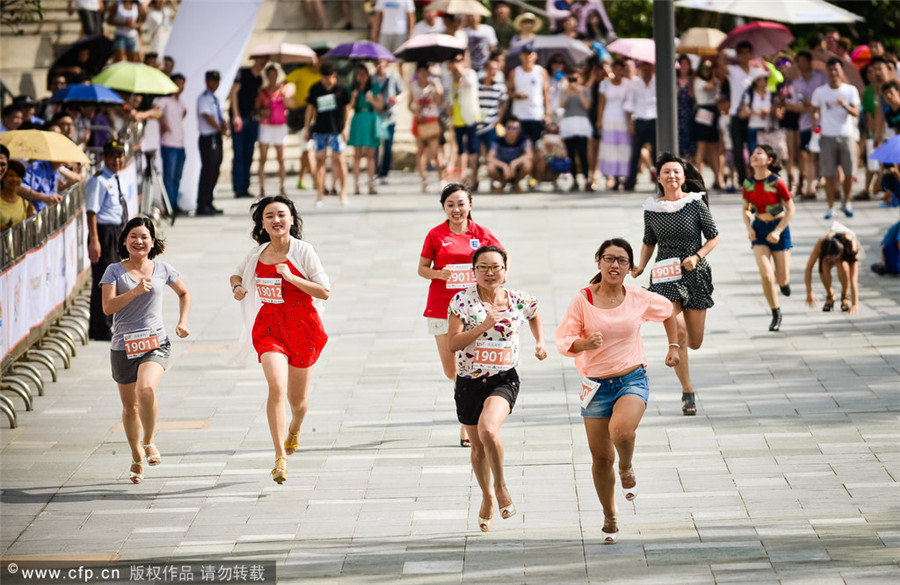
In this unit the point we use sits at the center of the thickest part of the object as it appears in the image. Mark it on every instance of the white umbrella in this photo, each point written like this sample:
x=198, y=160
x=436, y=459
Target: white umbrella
x=792, y=11
x=637, y=49
x=285, y=52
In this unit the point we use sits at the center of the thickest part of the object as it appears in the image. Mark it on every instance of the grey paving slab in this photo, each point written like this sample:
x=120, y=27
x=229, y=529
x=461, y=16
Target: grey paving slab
x=789, y=473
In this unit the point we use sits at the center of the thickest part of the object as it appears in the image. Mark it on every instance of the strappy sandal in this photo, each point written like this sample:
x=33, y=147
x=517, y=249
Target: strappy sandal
x=688, y=405
x=279, y=474
x=829, y=304
x=136, y=476
x=845, y=304
x=484, y=524
x=630, y=492
x=153, y=459
x=610, y=537
x=292, y=443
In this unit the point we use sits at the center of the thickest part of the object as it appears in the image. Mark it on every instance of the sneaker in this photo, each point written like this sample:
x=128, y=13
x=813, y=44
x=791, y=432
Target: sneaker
x=829, y=214
x=320, y=203
x=848, y=211
x=879, y=268
x=302, y=184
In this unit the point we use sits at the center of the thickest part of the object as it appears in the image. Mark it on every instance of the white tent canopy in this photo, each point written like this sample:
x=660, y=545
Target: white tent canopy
x=793, y=11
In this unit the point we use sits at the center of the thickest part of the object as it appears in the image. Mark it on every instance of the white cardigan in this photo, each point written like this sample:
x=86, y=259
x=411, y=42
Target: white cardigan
x=303, y=257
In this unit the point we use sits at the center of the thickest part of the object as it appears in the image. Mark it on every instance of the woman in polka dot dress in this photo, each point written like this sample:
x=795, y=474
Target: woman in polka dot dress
x=678, y=221
x=276, y=284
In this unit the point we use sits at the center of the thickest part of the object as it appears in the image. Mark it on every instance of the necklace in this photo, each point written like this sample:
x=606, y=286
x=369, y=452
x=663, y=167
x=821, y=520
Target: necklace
x=498, y=301
x=608, y=299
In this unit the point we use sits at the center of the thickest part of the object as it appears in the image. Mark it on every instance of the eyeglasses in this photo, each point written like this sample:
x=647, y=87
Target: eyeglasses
x=512, y=126
x=620, y=260
x=485, y=268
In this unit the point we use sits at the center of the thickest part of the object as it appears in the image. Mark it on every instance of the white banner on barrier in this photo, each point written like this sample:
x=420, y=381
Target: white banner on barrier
x=4, y=317
x=17, y=289
x=56, y=269
x=70, y=265
x=37, y=290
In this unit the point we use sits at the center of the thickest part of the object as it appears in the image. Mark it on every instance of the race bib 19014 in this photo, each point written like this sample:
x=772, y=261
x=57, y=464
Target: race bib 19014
x=493, y=355
x=668, y=270
x=461, y=276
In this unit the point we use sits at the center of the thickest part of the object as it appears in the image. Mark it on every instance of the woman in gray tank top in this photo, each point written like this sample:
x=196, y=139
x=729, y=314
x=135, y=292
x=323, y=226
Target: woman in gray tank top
x=575, y=127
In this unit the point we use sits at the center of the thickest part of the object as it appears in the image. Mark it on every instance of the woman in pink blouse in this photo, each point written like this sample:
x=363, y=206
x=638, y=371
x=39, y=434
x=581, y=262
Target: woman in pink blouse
x=271, y=105
x=601, y=330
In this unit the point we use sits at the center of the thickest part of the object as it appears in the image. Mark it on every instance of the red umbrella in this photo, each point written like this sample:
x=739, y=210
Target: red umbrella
x=767, y=38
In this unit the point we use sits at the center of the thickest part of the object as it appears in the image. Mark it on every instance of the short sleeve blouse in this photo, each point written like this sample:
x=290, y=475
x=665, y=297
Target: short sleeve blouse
x=143, y=312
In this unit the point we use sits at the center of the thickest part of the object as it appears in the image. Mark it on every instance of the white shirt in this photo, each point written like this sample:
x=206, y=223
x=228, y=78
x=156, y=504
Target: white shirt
x=640, y=99
x=395, y=16
x=759, y=102
x=207, y=104
x=834, y=119
x=88, y=4
x=173, y=112
x=530, y=83
x=423, y=28
x=738, y=82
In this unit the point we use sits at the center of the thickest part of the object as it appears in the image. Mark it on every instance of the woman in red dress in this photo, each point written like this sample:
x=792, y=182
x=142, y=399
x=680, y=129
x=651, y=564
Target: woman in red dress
x=276, y=284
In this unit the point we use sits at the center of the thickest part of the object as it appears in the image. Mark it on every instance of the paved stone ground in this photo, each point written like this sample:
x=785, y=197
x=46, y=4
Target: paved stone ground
x=789, y=473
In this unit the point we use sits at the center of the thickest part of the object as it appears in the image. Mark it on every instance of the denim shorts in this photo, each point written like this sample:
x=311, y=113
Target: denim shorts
x=764, y=228
x=611, y=389
x=326, y=141
x=129, y=44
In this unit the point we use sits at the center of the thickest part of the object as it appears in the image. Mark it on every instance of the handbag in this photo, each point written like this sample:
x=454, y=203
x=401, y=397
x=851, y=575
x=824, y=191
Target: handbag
x=381, y=128
x=296, y=118
x=429, y=130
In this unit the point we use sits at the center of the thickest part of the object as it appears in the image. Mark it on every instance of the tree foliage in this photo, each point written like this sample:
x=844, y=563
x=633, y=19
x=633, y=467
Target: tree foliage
x=15, y=13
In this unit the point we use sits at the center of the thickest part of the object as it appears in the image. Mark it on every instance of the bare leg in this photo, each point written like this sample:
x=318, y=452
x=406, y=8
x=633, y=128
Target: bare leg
x=830, y=188
x=370, y=168
x=261, y=171
x=298, y=385
x=782, y=262
x=482, y=470
x=279, y=152
x=357, y=158
x=448, y=362
x=766, y=274
x=496, y=409
x=623, y=424
x=848, y=185
x=825, y=275
x=603, y=457
x=339, y=172
x=320, y=175
x=275, y=367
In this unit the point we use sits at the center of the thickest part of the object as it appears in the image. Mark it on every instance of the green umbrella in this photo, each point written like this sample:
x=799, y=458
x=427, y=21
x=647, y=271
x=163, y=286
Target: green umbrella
x=136, y=78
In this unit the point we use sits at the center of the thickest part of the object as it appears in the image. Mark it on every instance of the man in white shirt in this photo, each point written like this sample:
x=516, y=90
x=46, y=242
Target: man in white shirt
x=838, y=106
x=394, y=21
x=640, y=111
x=739, y=77
x=212, y=127
x=482, y=41
x=430, y=23
x=171, y=139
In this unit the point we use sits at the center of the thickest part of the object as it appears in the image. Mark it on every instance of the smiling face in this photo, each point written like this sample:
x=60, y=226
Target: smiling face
x=614, y=264
x=277, y=219
x=457, y=207
x=11, y=180
x=671, y=175
x=759, y=159
x=139, y=242
x=490, y=269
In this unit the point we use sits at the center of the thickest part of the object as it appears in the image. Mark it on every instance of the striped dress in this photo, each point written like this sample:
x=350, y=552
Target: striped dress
x=615, y=142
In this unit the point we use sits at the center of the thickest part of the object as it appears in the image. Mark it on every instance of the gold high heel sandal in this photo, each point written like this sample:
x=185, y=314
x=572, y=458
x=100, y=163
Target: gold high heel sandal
x=279, y=474
x=292, y=443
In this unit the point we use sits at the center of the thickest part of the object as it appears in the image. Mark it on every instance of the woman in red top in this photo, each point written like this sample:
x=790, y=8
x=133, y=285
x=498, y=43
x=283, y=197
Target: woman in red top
x=446, y=260
x=271, y=104
x=276, y=284
x=768, y=208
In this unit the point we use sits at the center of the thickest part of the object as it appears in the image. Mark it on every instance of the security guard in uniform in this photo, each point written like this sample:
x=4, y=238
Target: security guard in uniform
x=107, y=213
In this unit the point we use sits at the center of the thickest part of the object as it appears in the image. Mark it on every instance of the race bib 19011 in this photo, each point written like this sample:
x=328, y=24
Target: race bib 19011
x=668, y=270
x=269, y=290
x=461, y=276
x=140, y=342
x=493, y=355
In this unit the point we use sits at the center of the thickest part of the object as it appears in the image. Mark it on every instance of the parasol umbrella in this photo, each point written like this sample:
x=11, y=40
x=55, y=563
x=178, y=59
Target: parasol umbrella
x=90, y=54
x=136, y=78
x=42, y=145
x=637, y=49
x=700, y=41
x=285, y=53
x=889, y=152
x=767, y=38
x=430, y=48
x=861, y=56
x=362, y=50
x=794, y=11
x=546, y=46
x=96, y=94
x=459, y=7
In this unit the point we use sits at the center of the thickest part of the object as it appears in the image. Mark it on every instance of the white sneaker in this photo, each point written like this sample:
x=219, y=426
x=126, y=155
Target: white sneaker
x=320, y=203
x=830, y=213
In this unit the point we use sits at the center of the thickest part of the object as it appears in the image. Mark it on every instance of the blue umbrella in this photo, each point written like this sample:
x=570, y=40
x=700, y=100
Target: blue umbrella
x=87, y=93
x=364, y=50
x=889, y=152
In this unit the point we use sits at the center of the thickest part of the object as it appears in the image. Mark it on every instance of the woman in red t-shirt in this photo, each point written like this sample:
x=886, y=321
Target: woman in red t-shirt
x=446, y=260
x=768, y=209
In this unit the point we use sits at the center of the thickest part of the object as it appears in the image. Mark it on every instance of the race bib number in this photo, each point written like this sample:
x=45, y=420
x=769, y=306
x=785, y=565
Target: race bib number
x=326, y=103
x=269, y=290
x=588, y=389
x=493, y=355
x=461, y=276
x=668, y=270
x=704, y=117
x=140, y=342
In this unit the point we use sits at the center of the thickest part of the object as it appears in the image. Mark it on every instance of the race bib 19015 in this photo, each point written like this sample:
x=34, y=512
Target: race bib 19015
x=668, y=270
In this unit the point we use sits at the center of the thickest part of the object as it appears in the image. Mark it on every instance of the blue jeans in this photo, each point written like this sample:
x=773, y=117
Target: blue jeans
x=385, y=157
x=173, y=166
x=244, y=142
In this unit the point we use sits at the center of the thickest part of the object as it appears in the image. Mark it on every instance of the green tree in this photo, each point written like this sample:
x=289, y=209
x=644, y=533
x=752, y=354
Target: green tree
x=15, y=13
